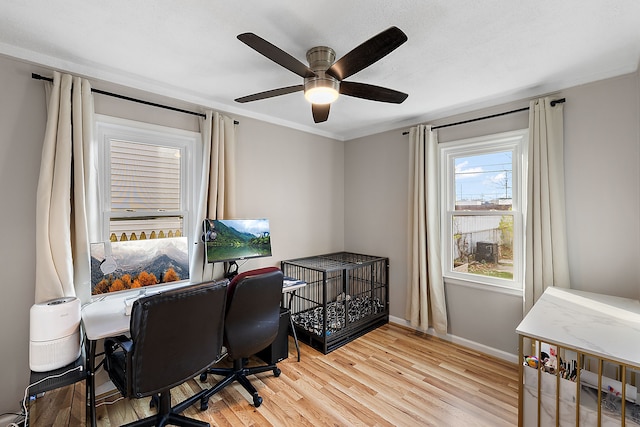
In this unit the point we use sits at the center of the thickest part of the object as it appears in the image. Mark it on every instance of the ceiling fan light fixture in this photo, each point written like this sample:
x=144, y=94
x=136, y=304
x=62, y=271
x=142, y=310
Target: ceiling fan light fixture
x=323, y=90
x=321, y=95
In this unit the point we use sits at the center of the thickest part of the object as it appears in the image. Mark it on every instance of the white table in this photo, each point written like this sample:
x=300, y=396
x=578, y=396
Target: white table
x=593, y=325
x=101, y=319
x=290, y=286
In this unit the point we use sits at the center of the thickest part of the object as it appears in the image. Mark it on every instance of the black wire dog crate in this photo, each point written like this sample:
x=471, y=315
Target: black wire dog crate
x=346, y=296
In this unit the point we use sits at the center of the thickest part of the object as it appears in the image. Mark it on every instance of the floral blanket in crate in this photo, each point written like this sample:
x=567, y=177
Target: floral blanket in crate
x=338, y=315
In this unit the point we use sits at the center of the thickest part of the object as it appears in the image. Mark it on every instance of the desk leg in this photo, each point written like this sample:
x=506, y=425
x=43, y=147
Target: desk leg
x=293, y=327
x=295, y=336
x=91, y=383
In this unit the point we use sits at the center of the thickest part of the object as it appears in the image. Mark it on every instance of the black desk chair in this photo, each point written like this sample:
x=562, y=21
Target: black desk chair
x=175, y=335
x=251, y=325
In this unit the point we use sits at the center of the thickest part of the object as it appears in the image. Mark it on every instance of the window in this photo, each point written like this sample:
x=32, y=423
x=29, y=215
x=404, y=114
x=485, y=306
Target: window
x=146, y=176
x=482, y=189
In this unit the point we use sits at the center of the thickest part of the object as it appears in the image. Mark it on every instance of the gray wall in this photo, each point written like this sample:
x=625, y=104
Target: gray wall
x=297, y=181
x=602, y=167
x=603, y=186
x=22, y=122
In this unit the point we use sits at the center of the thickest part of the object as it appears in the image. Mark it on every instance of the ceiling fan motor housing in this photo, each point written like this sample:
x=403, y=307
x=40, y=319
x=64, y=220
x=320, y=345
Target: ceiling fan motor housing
x=320, y=58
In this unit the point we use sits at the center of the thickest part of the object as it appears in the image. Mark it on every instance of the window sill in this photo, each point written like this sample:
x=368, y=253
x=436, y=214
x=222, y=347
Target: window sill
x=507, y=290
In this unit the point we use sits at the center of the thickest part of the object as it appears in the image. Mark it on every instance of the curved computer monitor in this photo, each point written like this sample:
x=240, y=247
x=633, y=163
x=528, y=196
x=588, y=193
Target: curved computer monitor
x=236, y=239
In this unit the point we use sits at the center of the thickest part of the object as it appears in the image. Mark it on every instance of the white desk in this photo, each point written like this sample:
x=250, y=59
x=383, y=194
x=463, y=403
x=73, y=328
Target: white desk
x=290, y=286
x=589, y=324
x=101, y=319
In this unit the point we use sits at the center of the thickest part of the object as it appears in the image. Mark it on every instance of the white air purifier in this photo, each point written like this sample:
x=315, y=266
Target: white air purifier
x=54, y=334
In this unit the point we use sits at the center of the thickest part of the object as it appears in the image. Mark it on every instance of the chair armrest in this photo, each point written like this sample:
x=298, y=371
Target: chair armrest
x=117, y=355
x=114, y=343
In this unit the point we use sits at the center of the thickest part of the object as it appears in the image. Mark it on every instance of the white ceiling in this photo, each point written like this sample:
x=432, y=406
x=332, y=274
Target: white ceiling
x=461, y=54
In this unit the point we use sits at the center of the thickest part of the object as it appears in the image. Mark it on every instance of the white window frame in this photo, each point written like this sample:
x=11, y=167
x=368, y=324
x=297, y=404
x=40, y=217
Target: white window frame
x=188, y=142
x=514, y=141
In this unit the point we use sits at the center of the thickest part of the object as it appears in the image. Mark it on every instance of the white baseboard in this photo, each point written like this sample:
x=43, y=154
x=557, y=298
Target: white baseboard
x=513, y=358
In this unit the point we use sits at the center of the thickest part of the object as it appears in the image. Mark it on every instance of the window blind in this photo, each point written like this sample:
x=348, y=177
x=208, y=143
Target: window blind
x=144, y=177
x=145, y=181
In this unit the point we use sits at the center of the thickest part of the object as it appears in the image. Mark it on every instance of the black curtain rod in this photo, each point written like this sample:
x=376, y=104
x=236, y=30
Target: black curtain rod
x=553, y=103
x=127, y=98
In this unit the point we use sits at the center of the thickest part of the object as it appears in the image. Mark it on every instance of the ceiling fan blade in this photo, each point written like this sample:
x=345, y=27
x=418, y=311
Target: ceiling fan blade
x=270, y=93
x=276, y=54
x=367, y=53
x=320, y=112
x=371, y=92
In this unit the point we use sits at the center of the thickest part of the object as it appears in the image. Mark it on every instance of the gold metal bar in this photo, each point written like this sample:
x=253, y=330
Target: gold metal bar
x=539, y=391
x=600, y=361
x=623, y=381
x=557, y=386
x=580, y=362
x=521, y=382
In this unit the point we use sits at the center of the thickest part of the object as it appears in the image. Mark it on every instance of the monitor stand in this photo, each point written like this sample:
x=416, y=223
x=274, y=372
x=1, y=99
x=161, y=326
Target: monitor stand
x=231, y=270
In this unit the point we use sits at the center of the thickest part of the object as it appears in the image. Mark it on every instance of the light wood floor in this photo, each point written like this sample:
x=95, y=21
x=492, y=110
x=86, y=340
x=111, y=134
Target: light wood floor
x=392, y=376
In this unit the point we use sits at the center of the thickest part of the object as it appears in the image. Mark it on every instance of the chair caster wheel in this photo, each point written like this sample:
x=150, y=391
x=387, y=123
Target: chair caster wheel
x=203, y=377
x=204, y=405
x=276, y=372
x=257, y=400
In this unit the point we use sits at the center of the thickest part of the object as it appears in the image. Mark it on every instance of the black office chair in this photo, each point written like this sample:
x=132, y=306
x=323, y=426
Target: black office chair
x=251, y=325
x=168, y=346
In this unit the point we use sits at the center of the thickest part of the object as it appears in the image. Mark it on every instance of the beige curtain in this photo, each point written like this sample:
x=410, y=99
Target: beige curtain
x=425, y=300
x=546, y=248
x=217, y=185
x=66, y=205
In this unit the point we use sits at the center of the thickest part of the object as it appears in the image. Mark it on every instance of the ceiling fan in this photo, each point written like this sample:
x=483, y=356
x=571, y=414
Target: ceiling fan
x=324, y=77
